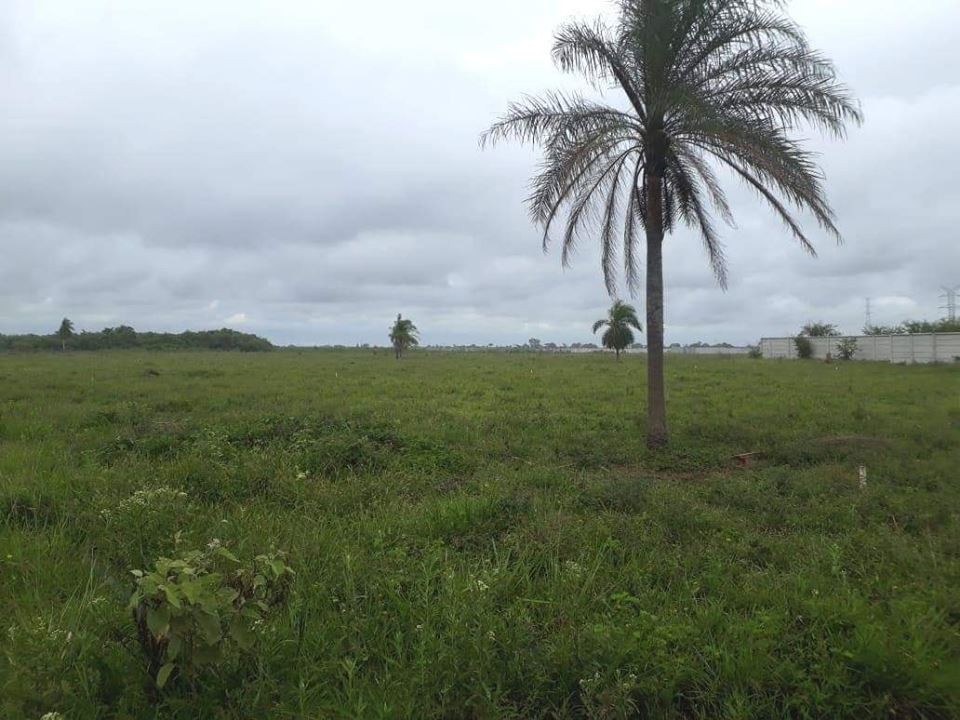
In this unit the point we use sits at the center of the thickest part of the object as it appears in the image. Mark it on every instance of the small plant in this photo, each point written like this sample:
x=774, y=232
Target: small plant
x=755, y=352
x=804, y=347
x=847, y=348
x=199, y=610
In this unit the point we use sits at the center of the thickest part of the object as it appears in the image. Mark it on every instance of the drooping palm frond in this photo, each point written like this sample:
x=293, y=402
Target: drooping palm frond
x=710, y=83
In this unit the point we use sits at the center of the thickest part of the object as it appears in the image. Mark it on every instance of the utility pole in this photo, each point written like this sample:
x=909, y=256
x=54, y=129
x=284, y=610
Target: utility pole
x=950, y=296
x=869, y=321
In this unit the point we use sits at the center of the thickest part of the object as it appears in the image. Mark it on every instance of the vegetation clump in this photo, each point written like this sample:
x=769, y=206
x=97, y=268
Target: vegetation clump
x=196, y=611
x=911, y=327
x=847, y=348
x=804, y=347
x=819, y=329
x=125, y=337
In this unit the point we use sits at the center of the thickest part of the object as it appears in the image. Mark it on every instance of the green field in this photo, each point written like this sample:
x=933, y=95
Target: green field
x=486, y=536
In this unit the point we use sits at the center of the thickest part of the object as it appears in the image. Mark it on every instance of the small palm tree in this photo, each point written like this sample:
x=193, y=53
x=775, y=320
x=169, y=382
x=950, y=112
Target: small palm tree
x=620, y=323
x=65, y=332
x=403, y=335
x=707, y=85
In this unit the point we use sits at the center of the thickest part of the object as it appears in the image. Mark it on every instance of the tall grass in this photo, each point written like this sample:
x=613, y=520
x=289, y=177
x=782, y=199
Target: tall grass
x=483, y=535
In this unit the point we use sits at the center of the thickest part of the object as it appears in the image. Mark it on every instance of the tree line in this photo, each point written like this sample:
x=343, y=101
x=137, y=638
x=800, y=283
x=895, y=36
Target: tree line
x=907, y=327
x=124, y=336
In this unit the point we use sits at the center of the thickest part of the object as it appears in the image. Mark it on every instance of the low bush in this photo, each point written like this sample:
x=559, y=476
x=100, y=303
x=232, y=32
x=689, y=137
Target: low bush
x=847, y=348
x=804, y=347
x=199, y=611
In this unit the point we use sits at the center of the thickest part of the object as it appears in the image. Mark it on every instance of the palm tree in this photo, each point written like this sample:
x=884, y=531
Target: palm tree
x=403, y=335
x=620, y=322
x=707, y=84
x=65, y=332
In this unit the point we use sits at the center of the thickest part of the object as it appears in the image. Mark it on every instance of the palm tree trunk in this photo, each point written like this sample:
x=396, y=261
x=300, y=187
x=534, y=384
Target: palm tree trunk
x=656, y=400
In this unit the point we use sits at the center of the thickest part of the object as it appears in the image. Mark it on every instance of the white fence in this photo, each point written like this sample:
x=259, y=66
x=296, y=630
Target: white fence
x=919, y=348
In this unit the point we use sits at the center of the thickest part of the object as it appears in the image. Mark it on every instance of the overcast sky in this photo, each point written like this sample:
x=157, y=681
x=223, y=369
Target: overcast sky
x=305, y=170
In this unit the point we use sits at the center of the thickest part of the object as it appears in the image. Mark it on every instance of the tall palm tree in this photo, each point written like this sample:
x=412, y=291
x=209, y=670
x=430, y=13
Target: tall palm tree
x=707, y=84
x=403, y=335
x=620, y=322
x=65, y=332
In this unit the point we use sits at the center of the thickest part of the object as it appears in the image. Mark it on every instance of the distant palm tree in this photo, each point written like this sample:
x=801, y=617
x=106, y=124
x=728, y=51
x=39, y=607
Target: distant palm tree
x=403, y=335
x=65, y=332
x=708, y=83
x=620, y=323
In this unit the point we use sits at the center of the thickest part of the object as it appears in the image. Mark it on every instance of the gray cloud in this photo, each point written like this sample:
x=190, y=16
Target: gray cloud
x=307, y=171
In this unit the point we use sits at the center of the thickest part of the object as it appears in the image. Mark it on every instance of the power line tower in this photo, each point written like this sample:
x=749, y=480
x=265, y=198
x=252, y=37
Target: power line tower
x=950, y=296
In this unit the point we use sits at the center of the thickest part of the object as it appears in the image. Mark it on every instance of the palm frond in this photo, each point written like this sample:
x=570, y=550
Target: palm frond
x=709, y=83
x=587, y=49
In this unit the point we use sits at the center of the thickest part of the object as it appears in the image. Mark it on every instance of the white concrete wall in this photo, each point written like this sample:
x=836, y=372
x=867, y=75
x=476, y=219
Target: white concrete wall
x=918, y=348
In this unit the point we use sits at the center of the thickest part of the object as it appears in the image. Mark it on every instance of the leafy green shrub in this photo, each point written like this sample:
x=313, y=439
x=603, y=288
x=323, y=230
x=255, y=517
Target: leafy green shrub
x=755, y=352
x=847, y=348
x=199, y=611
x=804, y=347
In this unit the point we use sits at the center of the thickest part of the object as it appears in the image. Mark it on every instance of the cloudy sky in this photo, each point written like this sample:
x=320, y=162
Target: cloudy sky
x=305, y=170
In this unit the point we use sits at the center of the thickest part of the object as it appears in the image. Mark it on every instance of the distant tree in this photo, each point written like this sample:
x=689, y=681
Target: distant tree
x=819, y=329
x=620, y=322
x=884, y=330
x=65, y=332
x=926, y=326
x=912, y=327
x=125, y=336
x=947, y=325
x=804, y=347
x=702, y=84
x=535, y=344
x=403, y=335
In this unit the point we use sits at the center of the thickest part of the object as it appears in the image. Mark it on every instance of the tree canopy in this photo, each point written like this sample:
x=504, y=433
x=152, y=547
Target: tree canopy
x=911, y=327
x=819, y=329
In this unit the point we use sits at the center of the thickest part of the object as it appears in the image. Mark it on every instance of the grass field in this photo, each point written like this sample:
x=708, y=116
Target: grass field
x=486, y=536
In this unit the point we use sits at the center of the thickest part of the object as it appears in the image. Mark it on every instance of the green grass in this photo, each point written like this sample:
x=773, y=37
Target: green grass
x=485, y=535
